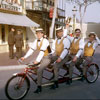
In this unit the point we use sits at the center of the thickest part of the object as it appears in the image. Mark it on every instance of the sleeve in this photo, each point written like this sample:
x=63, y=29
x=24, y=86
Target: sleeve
x=98, y=40
x=66, y=43
x=96, y=43
x=65, y=32
x=70, y=38
x=31, y=50
x=81, y=48
x=42, y=49
x=53, y=46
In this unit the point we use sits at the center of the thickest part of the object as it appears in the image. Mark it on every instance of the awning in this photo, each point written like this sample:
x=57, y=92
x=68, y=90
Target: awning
x=17, y=20
x=56, y=22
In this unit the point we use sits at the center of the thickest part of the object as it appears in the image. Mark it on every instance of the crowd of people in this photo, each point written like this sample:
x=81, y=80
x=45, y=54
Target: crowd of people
x=64, y=48
x=15, y=38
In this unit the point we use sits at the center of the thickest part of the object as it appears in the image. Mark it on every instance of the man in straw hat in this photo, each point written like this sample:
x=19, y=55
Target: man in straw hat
x=60, y=48
x=76, y=49
x=89, y=49
x=40, y=44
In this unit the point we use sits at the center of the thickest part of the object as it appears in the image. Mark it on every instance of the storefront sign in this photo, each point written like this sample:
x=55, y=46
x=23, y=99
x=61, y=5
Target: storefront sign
x=9, y=6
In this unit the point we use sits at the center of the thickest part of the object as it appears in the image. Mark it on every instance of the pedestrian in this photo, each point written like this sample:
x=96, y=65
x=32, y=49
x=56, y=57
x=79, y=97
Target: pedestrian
x=40, y=44
x=11, y=42
x=19, y=43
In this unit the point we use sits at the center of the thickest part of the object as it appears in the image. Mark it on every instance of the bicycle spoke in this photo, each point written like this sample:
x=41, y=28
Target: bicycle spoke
x=92, y=74
x=17, y=87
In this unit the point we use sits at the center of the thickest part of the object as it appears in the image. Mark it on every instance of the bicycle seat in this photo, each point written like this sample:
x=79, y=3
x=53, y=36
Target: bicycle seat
x=33, y=65
x=67, y=63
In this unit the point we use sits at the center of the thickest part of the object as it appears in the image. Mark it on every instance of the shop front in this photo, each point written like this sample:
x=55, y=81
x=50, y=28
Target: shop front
x=11, y=15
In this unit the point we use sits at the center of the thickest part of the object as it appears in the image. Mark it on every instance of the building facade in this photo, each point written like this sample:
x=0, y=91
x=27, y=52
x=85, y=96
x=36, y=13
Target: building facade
x=12, y=14
x=41, y=11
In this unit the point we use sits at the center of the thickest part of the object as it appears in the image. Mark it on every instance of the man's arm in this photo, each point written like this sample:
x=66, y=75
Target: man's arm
x=96, y=43
x=98, y=40
x=66, y=43
x=81, y=47
x=53, y=47
x=31, y=50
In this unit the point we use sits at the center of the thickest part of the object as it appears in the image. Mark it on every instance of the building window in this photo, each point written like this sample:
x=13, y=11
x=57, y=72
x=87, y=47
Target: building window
x=3, y=33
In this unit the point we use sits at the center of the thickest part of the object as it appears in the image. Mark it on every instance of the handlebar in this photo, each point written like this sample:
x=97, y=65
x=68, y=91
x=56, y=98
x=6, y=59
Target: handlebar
x=29, y=64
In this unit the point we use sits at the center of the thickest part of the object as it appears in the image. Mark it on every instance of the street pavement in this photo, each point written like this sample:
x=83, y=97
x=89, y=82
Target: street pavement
x=77, y=90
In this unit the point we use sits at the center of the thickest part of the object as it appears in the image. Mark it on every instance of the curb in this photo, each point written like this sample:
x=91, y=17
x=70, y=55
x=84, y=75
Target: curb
x=12, y=67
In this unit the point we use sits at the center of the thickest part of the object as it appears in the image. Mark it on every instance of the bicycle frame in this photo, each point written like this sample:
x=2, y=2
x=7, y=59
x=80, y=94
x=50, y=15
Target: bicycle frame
x=30, y=70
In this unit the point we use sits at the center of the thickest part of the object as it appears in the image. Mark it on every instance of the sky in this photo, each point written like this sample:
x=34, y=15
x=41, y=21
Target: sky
x=92, y=13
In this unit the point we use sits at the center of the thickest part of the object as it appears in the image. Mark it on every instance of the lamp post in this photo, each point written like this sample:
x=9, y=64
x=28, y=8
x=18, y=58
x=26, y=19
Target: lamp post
x=74, y=10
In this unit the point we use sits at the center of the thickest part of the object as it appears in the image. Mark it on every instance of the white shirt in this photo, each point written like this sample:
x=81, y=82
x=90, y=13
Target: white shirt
x=81, y=45
x=95, y=43
x=44, y=46
x=65, y=31
x=66, y=43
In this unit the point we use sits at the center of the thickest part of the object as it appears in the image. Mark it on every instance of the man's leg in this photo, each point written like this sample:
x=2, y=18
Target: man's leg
x=17, y=52
x=78, y=63
x=53, y=59
x=67, y=67
x=44, y=63
x=71, y=69
x=11, y=52
x=87, y=61
x=57, y=66
x=20, y=52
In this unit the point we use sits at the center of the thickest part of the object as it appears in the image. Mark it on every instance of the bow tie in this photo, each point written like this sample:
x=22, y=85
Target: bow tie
x=58, y=38
x=76, y=37
x=38, y=40
x=89, y=42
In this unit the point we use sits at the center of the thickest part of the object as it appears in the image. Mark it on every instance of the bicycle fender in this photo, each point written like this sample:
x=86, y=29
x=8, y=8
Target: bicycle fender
x=95, y=65
x=16, y=74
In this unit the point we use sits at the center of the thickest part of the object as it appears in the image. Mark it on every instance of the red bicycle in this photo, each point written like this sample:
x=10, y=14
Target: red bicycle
x=19, y=84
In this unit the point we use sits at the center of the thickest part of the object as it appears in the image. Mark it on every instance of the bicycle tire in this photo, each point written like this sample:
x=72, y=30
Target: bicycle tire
x=12, y=88
x=92, y=73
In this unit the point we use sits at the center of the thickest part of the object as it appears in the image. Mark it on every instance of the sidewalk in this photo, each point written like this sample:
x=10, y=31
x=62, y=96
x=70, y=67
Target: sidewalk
x=7, y=63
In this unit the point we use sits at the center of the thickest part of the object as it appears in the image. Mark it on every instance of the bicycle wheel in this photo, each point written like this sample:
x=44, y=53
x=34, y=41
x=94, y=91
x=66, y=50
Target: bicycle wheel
x=17, y=87
x=92, y=73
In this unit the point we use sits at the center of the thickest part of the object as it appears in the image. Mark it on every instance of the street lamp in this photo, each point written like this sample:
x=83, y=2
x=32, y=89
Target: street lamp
x=74, y=10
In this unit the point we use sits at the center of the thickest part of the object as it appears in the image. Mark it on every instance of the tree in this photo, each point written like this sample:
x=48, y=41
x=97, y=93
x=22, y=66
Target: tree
x=82, y=4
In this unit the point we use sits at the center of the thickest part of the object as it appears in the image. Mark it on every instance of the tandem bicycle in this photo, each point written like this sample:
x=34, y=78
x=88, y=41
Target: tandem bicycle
x=18, y=85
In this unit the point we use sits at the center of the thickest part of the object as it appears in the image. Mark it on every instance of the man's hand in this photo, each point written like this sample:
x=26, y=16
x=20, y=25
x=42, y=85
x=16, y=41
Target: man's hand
x=22, y=58
x=58, y=60
x=74, y=59
x=35, y=62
